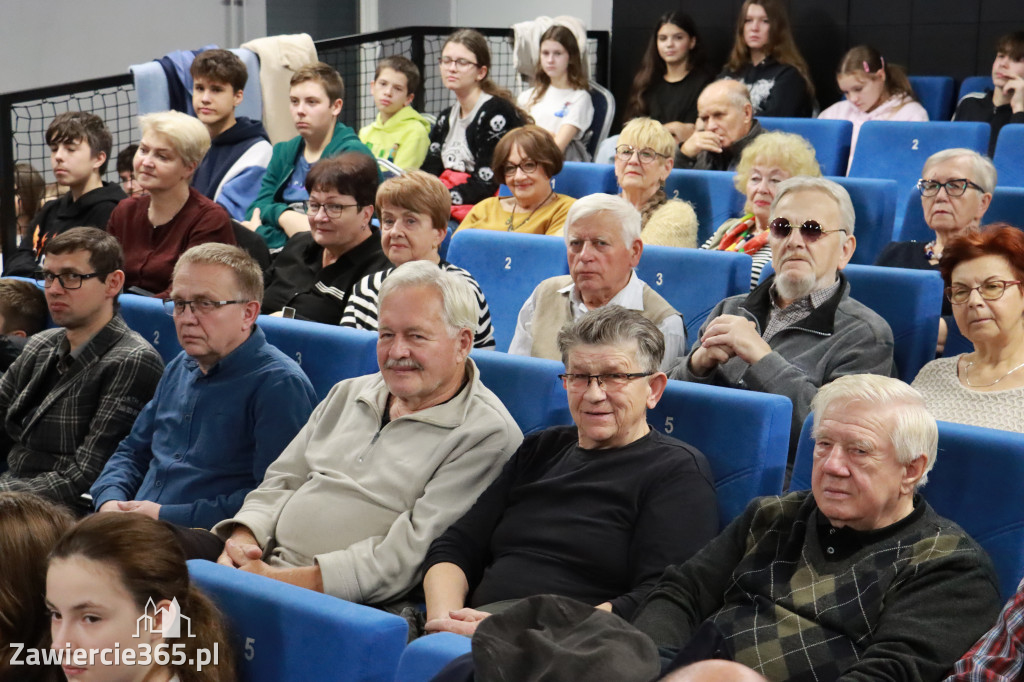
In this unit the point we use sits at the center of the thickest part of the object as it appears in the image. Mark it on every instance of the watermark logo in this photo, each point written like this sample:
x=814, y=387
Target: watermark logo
x=168, y=617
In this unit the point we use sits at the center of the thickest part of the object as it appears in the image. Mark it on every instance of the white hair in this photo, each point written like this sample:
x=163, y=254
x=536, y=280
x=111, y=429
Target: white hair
x=984, y=170
x=457, y=296
x=623, y=213
x=838, y=194
x=914, y=431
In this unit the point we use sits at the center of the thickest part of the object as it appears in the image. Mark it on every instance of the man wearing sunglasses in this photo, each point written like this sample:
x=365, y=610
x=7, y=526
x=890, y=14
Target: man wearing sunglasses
x=799, y=329
x=725, y=126
x=73, y=393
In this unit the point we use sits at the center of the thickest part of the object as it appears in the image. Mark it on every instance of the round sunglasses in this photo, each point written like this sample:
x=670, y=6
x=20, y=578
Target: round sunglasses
x=811, y=230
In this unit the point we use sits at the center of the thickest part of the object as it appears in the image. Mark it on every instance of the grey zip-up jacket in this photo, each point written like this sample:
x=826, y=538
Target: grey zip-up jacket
x=839, y=337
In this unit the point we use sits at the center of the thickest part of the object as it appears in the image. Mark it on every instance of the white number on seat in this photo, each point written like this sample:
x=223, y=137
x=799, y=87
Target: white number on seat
x=156, y=337
x=913, y=144
x=675, y=194
x=508, y=262
x=658, y=280
x=668, y=424
x=298, y=357
x=250, y=649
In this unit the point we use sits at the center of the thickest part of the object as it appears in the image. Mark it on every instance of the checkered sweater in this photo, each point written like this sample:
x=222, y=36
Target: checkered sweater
x=900, y=603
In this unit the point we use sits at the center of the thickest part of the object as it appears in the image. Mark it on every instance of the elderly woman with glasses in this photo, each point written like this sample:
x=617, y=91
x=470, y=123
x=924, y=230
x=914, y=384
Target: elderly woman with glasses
x=643, y=160
x=526, y=158
x=956, y=188
x=313, y=274
x=984, y=276
x=595, y=510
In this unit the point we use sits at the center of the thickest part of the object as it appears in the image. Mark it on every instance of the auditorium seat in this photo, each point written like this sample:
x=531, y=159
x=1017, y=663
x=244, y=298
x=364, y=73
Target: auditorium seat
x=1009, y=157
x=284, y=633
x=744, y=435
x=978, y=481
x=694, y=280
x=578, y=179
x=508, y=267
x=426, y=656
x=898, y=149
x=712, y=193
x=935, y=93
x=528, y=387
x=974, y=84
x=146, y=316
x=327, y=354
x=874, y=203
x=830, y=139
x=1007, y=206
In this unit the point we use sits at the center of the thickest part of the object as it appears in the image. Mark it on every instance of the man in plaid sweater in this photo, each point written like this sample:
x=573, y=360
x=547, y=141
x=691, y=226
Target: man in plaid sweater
x=858, y=578
x=74, y=392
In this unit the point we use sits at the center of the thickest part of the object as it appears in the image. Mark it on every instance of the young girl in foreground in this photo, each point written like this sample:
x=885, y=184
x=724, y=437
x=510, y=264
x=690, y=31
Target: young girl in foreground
x=560, y=100
x=102, y=576
x=875, y=91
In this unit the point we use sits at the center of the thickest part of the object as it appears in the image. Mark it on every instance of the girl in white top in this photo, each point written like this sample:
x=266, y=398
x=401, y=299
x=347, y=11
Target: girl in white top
x=560, y=100
x=875, y=91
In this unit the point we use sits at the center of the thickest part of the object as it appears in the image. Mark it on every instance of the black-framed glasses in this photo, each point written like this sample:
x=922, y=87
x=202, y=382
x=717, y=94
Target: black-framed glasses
x=811, y=230
x=200, y=307
x=460, y=62
x=333, y=211
x=990, y=290
x=624, y=153
x=954, y=188
x=68, y=280
x=527, y=167
x=608, y=382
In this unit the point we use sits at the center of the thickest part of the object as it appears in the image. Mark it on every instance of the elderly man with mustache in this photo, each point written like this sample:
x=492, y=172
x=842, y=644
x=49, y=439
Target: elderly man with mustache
x=387, y=461
x=800, y=329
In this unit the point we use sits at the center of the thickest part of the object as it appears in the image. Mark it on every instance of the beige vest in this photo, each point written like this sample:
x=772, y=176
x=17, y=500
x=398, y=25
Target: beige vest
x=553, y=309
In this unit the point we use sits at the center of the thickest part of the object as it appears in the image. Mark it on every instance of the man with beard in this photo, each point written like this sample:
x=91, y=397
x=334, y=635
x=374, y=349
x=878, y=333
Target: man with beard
x=799, y=329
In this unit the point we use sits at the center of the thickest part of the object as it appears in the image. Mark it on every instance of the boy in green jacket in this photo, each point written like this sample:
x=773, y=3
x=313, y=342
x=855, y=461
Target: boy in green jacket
x=399, y=133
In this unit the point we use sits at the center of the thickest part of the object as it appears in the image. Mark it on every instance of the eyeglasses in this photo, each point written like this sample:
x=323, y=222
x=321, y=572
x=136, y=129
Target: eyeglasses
x=199, y=307
x=333, y=211
x=624, y=153
x=608, y=382
x=68, y=280
x=990, y=290
x=810, y=231
x=527, y=167
x=461, y=63
x=954, y=188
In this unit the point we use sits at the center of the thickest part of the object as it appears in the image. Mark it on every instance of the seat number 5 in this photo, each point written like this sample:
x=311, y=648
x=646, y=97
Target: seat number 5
x=250, y=648
x=669, y=428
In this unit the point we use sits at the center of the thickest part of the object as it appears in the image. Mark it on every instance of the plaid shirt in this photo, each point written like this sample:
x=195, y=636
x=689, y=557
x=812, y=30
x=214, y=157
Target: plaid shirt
x=999, y=654
x=780, y=318
x=61, y=432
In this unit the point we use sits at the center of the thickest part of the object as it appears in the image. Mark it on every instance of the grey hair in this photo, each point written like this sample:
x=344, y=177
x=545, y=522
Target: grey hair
x=737, y=91
x=458, y=299
x=248, y=275
x=984, y=170
x=914, y=432
x=838, y=194
x=613, y=325
x=622, y=212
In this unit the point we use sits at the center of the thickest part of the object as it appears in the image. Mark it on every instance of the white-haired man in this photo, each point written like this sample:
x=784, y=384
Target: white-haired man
x=602, y=239
x=725, y=126
x=799, y=329
x=857, y=578
x=387, y=461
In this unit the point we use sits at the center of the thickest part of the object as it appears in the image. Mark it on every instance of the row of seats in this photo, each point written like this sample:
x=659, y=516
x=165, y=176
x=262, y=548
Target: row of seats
x=285, y=633
x=508, y=266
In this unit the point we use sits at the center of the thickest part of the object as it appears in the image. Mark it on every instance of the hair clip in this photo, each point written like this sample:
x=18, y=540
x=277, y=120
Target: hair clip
x=867, y=69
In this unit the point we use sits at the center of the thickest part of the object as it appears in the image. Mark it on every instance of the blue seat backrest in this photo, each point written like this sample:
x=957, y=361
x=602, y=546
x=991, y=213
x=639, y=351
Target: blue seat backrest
x=508, y=267
x=935, y=93
x=147, y=317
x=327, y=354
x=285, y=633
x=898, y=149
x=913, y=314
x=744, y=435
x=978, y=482
x=425, y=657
x=529, y=387
x=712, y=193
x=974, y=84
x=604, y=112
x=693, y=281
x=1007, y=206
x=830, y=139
x=1009, y=158
x=956, y=342
x=578, y=179
x=874, y=203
